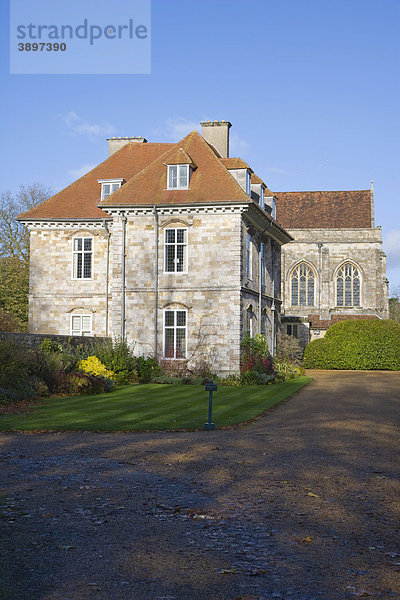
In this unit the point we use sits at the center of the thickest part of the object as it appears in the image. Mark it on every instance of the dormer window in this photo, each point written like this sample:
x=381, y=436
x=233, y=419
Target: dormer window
x=178, y=177
x=109, y=186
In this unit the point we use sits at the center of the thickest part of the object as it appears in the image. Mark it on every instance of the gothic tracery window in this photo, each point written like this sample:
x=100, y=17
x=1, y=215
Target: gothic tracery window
x=348, y=286
x=302, y=283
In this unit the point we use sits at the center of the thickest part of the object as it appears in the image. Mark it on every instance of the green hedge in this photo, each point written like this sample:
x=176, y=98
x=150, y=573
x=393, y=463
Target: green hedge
x=357, y=344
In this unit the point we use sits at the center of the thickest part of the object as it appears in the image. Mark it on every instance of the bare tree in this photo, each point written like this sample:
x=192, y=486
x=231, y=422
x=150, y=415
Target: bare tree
x=14, y=239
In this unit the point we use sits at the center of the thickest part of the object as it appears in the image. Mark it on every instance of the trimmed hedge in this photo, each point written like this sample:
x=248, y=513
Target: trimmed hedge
x=358, y=344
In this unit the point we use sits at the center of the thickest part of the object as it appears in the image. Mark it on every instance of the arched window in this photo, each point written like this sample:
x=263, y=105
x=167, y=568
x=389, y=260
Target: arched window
x=348, y=286
x=302, y=282
x=249, y=321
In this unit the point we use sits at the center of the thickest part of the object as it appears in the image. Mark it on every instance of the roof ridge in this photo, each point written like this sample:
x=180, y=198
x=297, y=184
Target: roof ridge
x=322, y=191
x=142, y=172
x=164, y=156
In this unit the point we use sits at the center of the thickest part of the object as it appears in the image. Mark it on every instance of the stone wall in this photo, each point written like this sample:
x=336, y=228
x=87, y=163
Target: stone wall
x=34, y=340
x=54, y=295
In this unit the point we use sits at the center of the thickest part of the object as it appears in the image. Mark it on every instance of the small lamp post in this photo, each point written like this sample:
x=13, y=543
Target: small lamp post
x=210, y=388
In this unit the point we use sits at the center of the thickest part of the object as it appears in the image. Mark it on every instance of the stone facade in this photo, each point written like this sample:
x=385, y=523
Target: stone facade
x=325, y=251
x=216, y=289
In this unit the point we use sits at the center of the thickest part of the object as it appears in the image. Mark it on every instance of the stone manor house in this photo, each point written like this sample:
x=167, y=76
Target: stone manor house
x=182, y=250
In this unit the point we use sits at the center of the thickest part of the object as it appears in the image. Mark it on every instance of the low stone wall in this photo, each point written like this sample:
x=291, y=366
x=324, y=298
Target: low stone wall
x=33, y=340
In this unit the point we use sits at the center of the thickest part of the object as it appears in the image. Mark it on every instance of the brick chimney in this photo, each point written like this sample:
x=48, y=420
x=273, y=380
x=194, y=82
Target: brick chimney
x=216, y=133
x=115, y=144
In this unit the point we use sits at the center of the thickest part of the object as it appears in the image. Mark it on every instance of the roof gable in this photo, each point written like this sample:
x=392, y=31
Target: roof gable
x=180, y=157
x=235, y=163
x=210, y=182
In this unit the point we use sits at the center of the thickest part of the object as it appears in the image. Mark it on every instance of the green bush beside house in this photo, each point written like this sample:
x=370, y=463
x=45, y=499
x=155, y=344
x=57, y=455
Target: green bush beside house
x=361, y=344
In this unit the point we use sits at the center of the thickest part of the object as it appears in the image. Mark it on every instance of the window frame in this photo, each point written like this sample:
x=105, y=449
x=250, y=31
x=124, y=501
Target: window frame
x=249, y=321
x=262, y=260
x=292, y=276
x=178, y=167
x=263, y=328
x=292, y=330
x=74, y=276
x=175, y=244
x=80, y=334
x=175, y=327
x=116, y=181
x=249, y=257
x=342, y=267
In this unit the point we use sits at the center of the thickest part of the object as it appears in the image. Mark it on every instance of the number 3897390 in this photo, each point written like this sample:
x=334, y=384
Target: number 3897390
x=42, y=47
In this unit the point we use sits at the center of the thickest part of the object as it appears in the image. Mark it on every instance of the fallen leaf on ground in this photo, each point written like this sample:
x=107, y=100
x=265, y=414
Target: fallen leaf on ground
x=226, y=571
x=305, y=540
x=312, y=495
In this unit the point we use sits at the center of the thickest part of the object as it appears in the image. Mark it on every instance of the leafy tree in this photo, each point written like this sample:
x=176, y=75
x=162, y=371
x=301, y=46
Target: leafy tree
x=14, y=254
x=394, y=306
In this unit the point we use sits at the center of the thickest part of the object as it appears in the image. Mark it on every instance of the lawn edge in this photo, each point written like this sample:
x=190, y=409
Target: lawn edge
x=121, y=431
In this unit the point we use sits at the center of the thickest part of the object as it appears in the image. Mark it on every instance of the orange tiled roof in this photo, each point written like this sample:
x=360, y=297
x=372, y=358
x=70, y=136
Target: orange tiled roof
x=303, y=210
x=256, y=179
x=180, y=157
x=210, y=182
x=235, y=163
x=80, y=199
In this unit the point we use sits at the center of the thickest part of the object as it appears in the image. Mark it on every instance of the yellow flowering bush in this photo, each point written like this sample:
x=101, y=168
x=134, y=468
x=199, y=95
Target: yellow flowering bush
x=93, y=366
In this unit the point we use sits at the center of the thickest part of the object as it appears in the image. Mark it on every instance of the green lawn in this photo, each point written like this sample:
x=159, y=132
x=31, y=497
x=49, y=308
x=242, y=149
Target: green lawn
x=151, y=406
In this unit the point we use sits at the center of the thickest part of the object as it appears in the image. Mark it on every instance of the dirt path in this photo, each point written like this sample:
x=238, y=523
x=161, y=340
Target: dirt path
x=301, y=505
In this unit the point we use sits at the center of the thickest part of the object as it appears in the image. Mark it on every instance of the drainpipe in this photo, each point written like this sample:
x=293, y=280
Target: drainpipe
x=273, y=309
x=105, y=225
x=155, y=282
x=123, y=219
x=319, y=276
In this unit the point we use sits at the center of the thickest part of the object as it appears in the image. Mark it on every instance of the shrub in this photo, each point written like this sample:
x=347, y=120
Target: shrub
x=147, y=369
x=14, y=363
x=24, y=389
x=358, y=344
x=256, y=367
x=174, y=368
x=10, y=322
x=232, y=380
x=117, y=355
x=289, y=349
x=49, y=346
x=85, y=384
x=167, y=379
x=255, y=378
x=93, y=366
x=286, y=370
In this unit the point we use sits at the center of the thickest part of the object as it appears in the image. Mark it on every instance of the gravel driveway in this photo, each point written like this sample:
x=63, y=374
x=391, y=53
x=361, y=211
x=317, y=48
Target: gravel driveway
x=302, y=504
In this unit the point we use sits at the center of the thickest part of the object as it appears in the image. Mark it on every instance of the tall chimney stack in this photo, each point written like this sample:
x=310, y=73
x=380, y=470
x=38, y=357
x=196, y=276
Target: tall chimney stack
x=216, y=133
x=115, y=144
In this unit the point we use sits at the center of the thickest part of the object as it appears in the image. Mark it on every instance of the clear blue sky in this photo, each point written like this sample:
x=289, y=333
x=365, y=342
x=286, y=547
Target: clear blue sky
x=311, y=87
